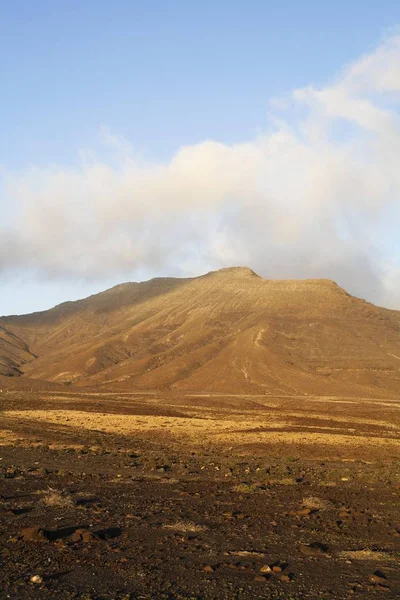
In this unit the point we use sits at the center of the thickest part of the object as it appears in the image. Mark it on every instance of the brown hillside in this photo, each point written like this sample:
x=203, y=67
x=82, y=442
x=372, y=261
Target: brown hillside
x=14, y=353
x=227, y=331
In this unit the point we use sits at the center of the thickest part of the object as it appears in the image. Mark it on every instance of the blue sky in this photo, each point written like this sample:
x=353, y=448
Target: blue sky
x=140, y=81
x=164, y=74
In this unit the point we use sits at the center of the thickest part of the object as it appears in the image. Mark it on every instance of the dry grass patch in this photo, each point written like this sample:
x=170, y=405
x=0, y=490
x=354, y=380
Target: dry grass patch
x=246, y=554
x=365, y=554
x=283, y=481
x=55, y=499
x=315, y=503
x=168, y=480
x=185, y=527
x=245, y=488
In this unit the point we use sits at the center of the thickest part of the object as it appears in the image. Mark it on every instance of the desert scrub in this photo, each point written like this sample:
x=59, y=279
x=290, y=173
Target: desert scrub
x=315, y=503
x=54, y=498
x=245, y=488
x=185, y=527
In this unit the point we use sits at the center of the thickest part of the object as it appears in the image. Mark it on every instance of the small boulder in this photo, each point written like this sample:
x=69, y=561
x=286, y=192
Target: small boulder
x=277, y=569
x=208, y=569
x=304, y=512
x=378, y=577
x=314, y=549
x=34, y=534
x=85, y=536
x=266, y=569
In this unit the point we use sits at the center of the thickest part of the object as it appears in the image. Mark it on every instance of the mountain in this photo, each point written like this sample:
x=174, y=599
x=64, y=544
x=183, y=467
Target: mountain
x=14, y=353
x=228, y=331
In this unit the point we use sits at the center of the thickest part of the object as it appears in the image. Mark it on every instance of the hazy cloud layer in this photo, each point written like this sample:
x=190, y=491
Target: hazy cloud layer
x=316, y=196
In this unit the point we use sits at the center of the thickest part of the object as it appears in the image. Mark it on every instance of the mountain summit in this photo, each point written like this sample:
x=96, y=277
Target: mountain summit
x=227, y=331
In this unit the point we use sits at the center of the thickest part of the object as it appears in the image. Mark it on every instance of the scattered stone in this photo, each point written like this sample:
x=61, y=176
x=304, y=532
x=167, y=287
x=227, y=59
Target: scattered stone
x=378, y=577
x=314, y=549
x=89, y=536
x=36, y=579
x=260, y=578
x=208, y=569
x=266, y=569
x=82, y=535
x=34, y=534
x=304, y=512
x=239, y=516
x=380, y=573
x=277, y=569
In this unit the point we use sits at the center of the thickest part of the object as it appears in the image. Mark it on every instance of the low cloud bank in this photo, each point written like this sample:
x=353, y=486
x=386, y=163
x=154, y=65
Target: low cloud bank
x=316, y=196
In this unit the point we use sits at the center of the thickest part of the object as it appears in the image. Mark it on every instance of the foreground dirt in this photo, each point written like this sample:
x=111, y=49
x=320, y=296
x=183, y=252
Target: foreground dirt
x=128, y=496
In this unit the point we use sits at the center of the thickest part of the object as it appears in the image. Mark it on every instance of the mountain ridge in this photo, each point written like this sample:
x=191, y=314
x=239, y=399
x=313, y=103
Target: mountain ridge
x=226, y=331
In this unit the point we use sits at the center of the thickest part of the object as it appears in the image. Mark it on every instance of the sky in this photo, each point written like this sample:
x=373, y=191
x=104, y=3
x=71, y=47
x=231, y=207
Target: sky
x=142, y=139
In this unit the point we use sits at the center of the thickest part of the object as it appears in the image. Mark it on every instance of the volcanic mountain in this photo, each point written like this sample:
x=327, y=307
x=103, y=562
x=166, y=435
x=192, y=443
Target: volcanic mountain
x=229, y=331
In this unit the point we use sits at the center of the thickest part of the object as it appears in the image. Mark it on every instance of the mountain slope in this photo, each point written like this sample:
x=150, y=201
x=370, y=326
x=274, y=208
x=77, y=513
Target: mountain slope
x=14, y=353
x=227, y=331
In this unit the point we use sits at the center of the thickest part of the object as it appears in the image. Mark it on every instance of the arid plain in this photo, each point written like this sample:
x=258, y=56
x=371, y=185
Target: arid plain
x=219, y=437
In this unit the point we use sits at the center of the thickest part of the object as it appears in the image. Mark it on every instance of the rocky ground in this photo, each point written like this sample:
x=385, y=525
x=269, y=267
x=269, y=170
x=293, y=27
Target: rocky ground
x=96, y=514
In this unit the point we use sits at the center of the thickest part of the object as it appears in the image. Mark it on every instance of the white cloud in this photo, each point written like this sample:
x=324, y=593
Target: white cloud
x=309, y=199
